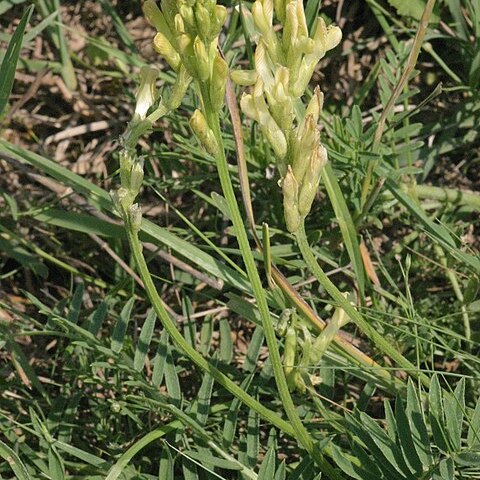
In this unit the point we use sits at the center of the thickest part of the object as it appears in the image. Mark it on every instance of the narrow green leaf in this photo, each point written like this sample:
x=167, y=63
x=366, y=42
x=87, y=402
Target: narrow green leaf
x=118, y=335
x=405, y=437
x=253, y=441
x=418, y=427
x=160, y=360
x=454, y=412
x=436, y=414
x=204, y=398
x=68, y=72
x=125, y=458
x=391, y=421
x=9, y=63
x=473, y=436
x=144, y=341
x=281, y=473
x=97, y=318
x=55, y=464
x=253, y=351
x=189, y=469
x=267, y=468
x=171, y=380
x=226, y=343
x=80, y=454
x=190, y=326
x=166, y=465
x=230, y=425
x=346, y=463
x=346, y=224
x=383, y=449
x=206, y=335
x=14, y=462
x=76, y=304
x=447, y=469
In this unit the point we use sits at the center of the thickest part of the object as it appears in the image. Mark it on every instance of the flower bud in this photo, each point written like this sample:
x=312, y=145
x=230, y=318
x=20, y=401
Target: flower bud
x=146, y=92
x=201, y=59
x=280, y=101
x=333, y=37
x=244, y=78
x=126, y=162
x=203, y=22
x=184, y=43
x=290, y=351
x=218, y=82
x=276, y=138
x=156, y=18
x=315, y=105
x=203, y=132
x=260, y=19
x=290, y=201
x=269, y=126
x=218, y=20
x=247, y=105
x=163, y=46
x=122, y=199
x=305, y=45
x=179, y=24
x=186, y=13
x=304, y=145
x=290, y=29
x=136, y=177
x=135, y=216
x=178, y=89
x=322, y=342
x=304, y=75
x=302, y=21
x=311, y=180
x=262, y=66
x=280, y=7
x=267, y=6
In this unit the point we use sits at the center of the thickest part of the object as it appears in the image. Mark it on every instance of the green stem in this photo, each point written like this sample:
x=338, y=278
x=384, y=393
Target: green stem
x=472, y=199
x=244, y=244
x=195, y=357
x=380, y=341
x=301, y=432
x=458, y=293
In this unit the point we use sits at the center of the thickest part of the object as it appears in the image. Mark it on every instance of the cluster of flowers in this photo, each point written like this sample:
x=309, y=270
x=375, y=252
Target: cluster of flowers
x=284, y=65
x=187, y=38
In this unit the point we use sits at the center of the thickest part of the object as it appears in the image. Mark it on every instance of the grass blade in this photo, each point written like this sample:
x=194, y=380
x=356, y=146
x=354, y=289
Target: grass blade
x=144, y=341
x=9, y=63
x=14, y=461
x=346, y=225
x=118, y=335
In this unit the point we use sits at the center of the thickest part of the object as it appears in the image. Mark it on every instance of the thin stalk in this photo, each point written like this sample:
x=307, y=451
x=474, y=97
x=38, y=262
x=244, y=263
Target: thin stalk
x=301, y=432
x=244, y=244
x=460, y=197
x=458, y=293
x=195, y=357
x=380, y=341
x=402, y=83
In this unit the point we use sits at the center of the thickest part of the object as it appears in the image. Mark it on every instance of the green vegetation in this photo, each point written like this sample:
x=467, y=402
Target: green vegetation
x=240, y=241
